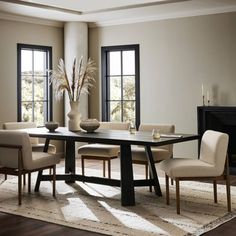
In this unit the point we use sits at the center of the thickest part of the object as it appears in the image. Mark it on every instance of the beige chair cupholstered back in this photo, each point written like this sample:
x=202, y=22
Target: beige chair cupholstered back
x=17, y=158
x=36, y=145
x=159, y=153
x=211, y=165
x=104, y=152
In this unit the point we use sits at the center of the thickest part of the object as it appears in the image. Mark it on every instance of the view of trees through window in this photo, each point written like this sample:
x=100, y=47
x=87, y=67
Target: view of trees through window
x=121, y=80
x=33, y=83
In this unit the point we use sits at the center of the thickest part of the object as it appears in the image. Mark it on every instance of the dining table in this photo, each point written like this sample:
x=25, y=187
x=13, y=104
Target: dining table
x=125, y=140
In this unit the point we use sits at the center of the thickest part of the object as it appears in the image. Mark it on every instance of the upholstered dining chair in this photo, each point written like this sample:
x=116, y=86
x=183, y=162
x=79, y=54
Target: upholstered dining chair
x=36, y=145
x=104, y=152
x=17, y=158
x=211, y=165
x=159, y=153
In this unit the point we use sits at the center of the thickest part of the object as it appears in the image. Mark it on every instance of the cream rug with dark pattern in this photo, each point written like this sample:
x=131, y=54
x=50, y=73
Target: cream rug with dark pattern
x=97, y=208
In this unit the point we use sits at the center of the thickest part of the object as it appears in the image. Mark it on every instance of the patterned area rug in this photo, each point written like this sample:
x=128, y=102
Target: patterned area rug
x=97, y=208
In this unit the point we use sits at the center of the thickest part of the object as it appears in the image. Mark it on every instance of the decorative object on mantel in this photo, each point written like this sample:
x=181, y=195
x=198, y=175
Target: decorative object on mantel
x=80, y=80
x=51, y=126
x=208, y=98
x=90, y=125
x=203, y=97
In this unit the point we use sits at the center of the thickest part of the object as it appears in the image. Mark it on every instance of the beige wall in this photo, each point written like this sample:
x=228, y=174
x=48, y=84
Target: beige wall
x=13, y=32
x=176, y=57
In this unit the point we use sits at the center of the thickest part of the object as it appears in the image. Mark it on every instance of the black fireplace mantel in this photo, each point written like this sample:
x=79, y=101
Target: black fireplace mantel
x=223, y=119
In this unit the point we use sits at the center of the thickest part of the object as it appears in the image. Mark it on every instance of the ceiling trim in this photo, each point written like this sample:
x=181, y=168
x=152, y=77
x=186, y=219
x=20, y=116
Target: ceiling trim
x=133, y=6
x=42, y=6
x=32, y=20
x=103, y=10
x=163, y=17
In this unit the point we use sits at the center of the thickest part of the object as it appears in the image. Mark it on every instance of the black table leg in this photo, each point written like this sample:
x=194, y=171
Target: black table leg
x=46, y=145
x=70, y=158
x=127, y=181
x=40, y=173
x=38, y=181
x=153, y=172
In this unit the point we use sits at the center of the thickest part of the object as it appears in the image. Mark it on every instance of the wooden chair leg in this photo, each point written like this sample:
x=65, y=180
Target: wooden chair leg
x=215, y=190
x=109, y=169
x=171, y=181
x=228, y=192
x=104, y=168
x=177, y=196
x=167, y=191
x=19, y=187
x=54, y=181
x=82, y=164
x=5, y=176
x=29, y=182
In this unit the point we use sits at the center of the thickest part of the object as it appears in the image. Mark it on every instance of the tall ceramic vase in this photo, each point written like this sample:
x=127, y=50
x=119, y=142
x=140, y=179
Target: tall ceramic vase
x=74, y=116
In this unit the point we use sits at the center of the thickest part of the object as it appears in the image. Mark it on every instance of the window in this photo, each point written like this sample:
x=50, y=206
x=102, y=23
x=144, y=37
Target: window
x=120, y=84
x=34, y=92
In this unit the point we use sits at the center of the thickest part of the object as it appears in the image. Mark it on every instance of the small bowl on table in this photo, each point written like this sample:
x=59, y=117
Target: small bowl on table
x=51, y=126
x=90, y=125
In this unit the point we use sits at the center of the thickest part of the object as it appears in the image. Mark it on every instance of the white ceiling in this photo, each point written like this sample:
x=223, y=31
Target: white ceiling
x=110, y=12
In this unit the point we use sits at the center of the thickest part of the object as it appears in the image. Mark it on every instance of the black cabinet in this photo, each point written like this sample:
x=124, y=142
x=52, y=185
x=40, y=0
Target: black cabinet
x=220, y=118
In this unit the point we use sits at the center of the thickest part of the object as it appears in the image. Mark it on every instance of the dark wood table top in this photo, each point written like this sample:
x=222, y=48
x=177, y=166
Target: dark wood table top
x=110, y=136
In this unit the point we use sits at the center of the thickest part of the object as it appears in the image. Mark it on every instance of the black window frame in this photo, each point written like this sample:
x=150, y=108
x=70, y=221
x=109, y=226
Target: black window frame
x=105, y=83
x=48, y=49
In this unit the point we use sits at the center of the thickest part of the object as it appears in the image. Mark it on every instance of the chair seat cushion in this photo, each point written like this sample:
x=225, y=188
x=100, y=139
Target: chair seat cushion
x=39, y=148
x=159, y=154
x=184, y=167
x=42, y=159
x=104, y=150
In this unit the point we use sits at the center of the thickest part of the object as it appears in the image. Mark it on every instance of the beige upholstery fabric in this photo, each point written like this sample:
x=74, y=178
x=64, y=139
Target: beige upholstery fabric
x=9, y=157
x=41, y=159
x=36, y=146
x=159, y=153
x=99, y=150
x=106, y=149
x=114, y=125
x=210, y=163
x=40, y=146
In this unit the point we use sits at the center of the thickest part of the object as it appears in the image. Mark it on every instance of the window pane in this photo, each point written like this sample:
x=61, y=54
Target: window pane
x=129, y=87
x=26, y=62
x=26, y=91
x=40, y=63
x=129, y=112
x=39, y=88
x=115, y=111
x=128, y=63
x=34, y=92
x=26, y=108
x=39, y=111
x=115, y=88
x=115, y=63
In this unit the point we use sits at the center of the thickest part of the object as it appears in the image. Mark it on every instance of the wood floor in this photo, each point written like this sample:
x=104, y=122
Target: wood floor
x=17, y=225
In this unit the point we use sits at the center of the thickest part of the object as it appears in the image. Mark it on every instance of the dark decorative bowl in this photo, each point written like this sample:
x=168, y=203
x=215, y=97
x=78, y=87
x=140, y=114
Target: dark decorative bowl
x=90, y=125
x=51, y=126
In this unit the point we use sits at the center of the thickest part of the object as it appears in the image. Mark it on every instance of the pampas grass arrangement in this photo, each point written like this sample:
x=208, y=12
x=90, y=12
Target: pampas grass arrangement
x=79, y=82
